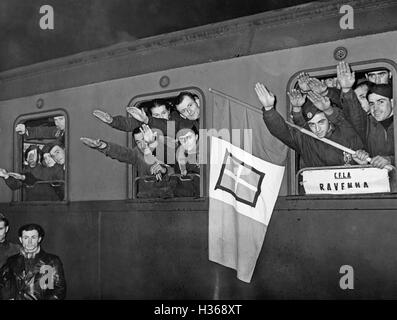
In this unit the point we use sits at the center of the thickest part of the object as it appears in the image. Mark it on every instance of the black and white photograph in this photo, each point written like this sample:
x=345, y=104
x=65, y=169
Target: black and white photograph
x=198, y=155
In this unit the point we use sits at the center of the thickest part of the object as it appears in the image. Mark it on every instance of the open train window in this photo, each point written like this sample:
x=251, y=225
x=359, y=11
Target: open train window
x=174, y=116
x=40, y=158
x=352, y=178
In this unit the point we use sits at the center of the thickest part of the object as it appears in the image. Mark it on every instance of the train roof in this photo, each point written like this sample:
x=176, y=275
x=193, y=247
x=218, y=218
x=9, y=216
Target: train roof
x=301, y=25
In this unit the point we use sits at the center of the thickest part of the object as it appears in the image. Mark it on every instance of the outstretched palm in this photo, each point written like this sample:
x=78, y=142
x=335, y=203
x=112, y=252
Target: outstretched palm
x=148, y=134
x=320, y=102
x=138, y=114
x=303, y=80
x=317, y=86
x=103, y=116
x=296, y=98
x=346, y=78
x=92, y=143
x=265, y=97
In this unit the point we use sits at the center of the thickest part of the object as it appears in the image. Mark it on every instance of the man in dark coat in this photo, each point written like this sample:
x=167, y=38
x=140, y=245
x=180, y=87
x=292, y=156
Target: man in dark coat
x=377, y=129
x=7, y=249
x=33, y=274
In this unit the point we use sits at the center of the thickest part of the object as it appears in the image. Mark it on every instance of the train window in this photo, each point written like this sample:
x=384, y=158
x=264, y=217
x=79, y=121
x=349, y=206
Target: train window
x=174, y=120
x=371, y=118
x=40, y=155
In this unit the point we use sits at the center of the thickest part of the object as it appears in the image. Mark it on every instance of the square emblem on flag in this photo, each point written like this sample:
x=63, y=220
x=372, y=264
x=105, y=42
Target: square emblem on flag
x=242, y=181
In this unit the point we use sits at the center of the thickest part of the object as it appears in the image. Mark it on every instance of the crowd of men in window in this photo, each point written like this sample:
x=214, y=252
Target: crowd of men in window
x=43, y=169
x=356, y=113
x=167, y=164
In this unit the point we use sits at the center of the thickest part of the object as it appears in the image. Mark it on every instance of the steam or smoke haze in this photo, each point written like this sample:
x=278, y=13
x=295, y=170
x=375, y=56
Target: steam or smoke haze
x=82, y=25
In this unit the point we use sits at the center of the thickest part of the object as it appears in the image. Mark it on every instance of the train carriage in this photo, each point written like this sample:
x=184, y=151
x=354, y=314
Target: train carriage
x=117, y=246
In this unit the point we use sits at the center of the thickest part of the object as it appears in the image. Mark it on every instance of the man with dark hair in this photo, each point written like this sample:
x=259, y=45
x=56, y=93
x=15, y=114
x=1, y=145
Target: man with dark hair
x=7, y=249
x=33, y=274
x=380, y=76
x=188, y=114
x=376, y=130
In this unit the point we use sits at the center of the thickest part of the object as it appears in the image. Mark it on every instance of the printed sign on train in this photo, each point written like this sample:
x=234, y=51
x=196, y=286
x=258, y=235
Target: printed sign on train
x=345, y=181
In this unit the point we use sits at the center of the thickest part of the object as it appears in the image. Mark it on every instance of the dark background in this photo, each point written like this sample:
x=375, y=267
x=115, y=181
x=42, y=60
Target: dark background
x=82, y=25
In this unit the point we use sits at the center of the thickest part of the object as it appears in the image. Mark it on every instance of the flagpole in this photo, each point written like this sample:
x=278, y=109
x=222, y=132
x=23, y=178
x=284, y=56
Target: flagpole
x=332, y=143
x=224, y=95
x=325, y=140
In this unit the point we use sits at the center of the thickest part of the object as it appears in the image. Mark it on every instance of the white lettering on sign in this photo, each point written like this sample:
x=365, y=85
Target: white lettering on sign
x=345, y=180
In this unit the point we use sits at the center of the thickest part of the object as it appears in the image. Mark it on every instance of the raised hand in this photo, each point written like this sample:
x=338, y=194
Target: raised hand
x=320, y=102
x=20, y=129
x=296, y=98
x=303, y=79
x=317, y=86
x=265, y=97
x=103, y=116
x=148, y=134
x=3, y=173
x=138, y=114
x=17, y=176
x=95, y=144
x=345, y=77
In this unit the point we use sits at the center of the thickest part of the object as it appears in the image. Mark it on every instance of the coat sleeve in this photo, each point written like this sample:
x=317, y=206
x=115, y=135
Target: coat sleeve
x=297, y=118
x=59, y=290
x=120, y=153
x=160, y=124
x=122, y=123
x=353, y=140
x=354, y=113
x=41, y=133
x=13, y=183
x=278, y=128
x=334, y=96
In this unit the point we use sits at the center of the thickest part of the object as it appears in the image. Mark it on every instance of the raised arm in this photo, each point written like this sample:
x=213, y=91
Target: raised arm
x=274, y=121
x=350, y=104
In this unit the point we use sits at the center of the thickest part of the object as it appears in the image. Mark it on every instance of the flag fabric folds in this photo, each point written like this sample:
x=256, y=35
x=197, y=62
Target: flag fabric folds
x=243, y=190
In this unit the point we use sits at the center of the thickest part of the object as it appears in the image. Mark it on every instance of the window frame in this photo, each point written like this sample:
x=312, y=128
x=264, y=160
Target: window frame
x=358, y=66
x=131, y=170
x=18, y=147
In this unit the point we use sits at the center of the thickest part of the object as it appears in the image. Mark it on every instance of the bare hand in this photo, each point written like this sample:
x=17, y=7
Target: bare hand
x=103, y=116
x=265, y=97
x=346, y=78
x=17, y=176
x=3, y=173
x=148, y=134
x=296, y=98
x=303, y=80
x=320, y=102
x=317, y=86
x=20, y=129
x=361, y=157
x=95, y=144
x=380, y=162
x=138, y=114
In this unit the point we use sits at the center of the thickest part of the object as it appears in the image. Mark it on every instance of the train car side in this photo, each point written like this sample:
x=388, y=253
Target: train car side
x=116, y=248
